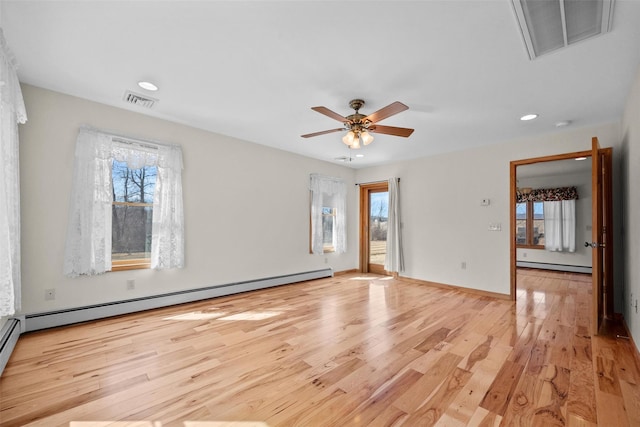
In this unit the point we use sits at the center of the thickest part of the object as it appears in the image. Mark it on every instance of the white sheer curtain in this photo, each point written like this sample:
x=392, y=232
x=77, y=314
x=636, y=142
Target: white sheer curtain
x=167, y=230
x=326, y=189
x=560, y=225
x=88, y=247
x=394, y=260
x=12, y=112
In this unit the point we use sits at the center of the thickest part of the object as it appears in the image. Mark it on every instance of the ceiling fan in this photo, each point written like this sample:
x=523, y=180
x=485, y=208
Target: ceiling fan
x=359, y=126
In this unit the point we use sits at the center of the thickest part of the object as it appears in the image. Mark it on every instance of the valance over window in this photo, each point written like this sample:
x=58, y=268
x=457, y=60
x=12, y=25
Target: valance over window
x=547, y=194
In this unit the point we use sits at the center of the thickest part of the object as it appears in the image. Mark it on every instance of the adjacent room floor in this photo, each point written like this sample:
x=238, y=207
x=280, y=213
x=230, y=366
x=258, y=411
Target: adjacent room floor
x=348, y=350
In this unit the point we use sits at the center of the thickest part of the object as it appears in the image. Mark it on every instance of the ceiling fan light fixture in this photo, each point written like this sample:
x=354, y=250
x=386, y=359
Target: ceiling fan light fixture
x=367, y=138
x=349, y=138
x=356, y=143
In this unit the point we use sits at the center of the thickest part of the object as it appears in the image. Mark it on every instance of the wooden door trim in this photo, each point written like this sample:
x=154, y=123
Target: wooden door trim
x=608, y=222
x=512, y=205
x=596, y=235
x=365, y=189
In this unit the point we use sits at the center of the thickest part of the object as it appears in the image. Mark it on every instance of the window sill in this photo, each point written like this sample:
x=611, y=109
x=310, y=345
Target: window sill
x=530, y=246
x=131, y=264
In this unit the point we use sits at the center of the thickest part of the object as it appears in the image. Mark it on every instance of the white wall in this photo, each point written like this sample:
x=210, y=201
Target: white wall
x=443, y=221
x=631, y=209
x=246, y=206
x=247, y=211
x=582, y=256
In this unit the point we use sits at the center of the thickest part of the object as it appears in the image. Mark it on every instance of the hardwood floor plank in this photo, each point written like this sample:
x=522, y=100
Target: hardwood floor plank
x=350, y=350
x=430, y=412
x=501, y=390
x=581, y=402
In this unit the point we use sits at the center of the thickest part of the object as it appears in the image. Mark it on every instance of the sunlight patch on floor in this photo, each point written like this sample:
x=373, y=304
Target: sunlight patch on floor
x=372, y=278
x=197, y=315
x=252, y=315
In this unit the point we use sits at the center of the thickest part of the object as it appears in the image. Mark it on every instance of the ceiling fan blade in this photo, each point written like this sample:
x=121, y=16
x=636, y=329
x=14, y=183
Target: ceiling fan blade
x=329, y=113
x=388, y=111
x=391, y=130
x=309, y=135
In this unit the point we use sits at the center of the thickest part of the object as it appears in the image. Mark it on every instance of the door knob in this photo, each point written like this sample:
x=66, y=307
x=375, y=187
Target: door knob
x=593, y=244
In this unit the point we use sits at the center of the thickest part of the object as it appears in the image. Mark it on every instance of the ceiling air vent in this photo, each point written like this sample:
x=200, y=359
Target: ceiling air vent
x=548, y=25
x=137, y=99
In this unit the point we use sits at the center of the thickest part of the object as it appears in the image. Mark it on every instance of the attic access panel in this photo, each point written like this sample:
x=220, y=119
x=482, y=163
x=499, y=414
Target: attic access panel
x=547, y=25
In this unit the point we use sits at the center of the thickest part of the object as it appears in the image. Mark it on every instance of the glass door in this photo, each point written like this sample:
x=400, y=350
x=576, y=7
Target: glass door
x=374, y=217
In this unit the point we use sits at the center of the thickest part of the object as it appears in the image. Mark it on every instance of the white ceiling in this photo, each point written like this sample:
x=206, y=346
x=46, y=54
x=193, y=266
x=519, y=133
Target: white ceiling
x=253, y=70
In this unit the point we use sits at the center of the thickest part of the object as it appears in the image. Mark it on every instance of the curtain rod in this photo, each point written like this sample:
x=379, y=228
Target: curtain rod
x=130, y=140
x=373, y=182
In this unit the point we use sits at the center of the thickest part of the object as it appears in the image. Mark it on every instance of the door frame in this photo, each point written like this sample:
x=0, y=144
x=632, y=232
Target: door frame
x=607, y=154
x=365, y=191
x=602, y=234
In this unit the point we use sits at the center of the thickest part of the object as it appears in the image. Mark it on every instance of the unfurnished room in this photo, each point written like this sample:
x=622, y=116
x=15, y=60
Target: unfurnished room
x=319, y=213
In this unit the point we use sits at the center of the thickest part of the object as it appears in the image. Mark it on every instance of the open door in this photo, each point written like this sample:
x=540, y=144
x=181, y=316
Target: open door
x=601, y=235
x=374, y=213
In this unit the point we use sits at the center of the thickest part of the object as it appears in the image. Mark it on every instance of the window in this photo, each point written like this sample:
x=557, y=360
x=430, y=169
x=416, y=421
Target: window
x=328, y=228
x=530, y=224
x=328, y=214
x=132, y=216
x=126, y=205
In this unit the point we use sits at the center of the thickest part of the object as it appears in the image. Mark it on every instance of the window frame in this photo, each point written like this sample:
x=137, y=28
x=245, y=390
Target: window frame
x=327, y=249
x=528, y=228
x=133, y=263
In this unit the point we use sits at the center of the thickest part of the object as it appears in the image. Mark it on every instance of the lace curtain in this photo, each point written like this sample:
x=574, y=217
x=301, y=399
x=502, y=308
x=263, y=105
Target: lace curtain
x=325, y=189
x=394, y=261
x=88, y=247
x=167, y=230
x=560, y=225
x=12, y=112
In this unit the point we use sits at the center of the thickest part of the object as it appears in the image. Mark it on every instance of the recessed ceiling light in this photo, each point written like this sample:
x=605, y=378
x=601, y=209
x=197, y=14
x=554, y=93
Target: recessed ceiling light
x=148, y=86
x=359, y=155
x=581, y=158
x=563, y=123
x=528, y=117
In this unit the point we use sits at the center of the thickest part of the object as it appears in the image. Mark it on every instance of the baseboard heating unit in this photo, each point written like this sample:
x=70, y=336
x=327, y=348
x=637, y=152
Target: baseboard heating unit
x=556, y=267
x=52, y=319
x=8, y=338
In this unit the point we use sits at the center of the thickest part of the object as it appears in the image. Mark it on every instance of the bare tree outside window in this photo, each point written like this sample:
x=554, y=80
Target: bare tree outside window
x=132, y=212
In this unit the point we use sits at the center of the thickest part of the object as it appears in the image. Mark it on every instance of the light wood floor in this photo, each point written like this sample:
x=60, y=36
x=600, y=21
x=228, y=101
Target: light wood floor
x=345, y=351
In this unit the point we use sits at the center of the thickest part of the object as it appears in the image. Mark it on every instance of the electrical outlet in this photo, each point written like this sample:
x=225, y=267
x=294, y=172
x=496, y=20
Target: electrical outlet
x=49, y=294
x=131, y=284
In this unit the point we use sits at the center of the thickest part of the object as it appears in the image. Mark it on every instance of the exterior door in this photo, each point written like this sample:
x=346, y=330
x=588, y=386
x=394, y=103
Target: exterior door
x=374, y=213
x=601, y=235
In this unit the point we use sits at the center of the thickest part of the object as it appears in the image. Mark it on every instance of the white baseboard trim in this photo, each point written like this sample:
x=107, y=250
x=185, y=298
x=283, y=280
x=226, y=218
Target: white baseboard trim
x=556, y=267
x=9, y=335
x=52, y=319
